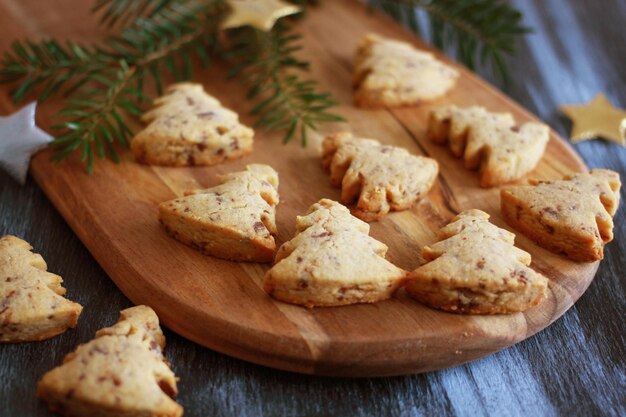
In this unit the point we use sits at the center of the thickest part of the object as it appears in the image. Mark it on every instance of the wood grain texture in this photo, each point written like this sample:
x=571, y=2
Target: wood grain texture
x=576, y=367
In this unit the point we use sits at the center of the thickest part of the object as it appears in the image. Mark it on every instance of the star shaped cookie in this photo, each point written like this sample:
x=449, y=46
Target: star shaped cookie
x=261, y=14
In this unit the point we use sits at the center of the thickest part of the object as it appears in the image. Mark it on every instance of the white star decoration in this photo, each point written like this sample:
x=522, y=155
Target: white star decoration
x=20, y=138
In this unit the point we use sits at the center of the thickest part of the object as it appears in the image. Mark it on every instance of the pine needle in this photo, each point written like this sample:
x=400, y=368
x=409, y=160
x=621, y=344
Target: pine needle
x=267, y=64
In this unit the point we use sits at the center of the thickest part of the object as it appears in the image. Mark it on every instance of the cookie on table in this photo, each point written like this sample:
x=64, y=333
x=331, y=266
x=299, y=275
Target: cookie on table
x=188, y=127
x=573, y=216
x=490, y=142
x=32, y=306
x=122, y=372
x=390, y=73
x=234, y=220
x=474, y=268
x=379, y=178
x=332, y=261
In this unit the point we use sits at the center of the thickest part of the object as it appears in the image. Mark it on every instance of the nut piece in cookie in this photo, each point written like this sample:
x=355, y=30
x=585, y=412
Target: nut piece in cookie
x=491, y=142
x=476, y=269
x=234, y=220
x=573, y=216
x=32, y=306
x=122, y=372
x=332, y=261
x=393, y=73
x=378, y=178
x=189, y=127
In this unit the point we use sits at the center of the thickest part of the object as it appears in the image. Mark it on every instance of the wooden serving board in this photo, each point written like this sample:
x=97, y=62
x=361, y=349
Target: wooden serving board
x=221, y=304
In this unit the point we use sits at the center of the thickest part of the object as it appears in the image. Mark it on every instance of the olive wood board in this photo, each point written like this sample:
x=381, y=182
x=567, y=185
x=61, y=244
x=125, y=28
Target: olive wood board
x=221, y=304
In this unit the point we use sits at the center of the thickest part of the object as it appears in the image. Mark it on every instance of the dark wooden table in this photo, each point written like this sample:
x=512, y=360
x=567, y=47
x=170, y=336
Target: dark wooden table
x=577, y=366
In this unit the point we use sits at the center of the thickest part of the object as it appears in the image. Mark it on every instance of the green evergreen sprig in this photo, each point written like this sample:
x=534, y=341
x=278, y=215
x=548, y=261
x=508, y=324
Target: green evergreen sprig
x=95, y=118
x=168, y=42
x=266, y=63
x=125, y=11
x=107, y=82
x=48, y=66
x=478, y=32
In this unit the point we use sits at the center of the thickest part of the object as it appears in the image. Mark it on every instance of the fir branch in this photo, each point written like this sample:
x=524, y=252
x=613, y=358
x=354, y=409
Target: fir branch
x=480, y=32
x=266, y=63
x=47, y=64
x=168, y=38
x=94, y=117
x=151, y=46
x=125, y=11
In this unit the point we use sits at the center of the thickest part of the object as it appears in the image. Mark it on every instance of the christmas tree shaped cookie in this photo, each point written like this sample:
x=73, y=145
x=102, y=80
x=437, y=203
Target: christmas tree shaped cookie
x=234, y=220
x=377, y=177
x=573, y=217
x=332, y=261
x=122, y=372
x=490, y=142
x=189, y=127
x=31, y=304
x=389, y=73
x=475, y=269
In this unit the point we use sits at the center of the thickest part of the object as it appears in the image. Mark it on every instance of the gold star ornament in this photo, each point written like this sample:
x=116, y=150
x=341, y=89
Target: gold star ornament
x=598, y=118
x=262, y=14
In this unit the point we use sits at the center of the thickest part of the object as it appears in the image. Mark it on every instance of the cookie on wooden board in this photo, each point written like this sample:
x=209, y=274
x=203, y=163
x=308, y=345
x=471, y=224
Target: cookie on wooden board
x=332, y=261
x=391, y=73
x=122, y=372
x=379, y=178
x=490, y=142
x=573, y=216
x=234, y=220
x=32, y=306
x=475, y=269
x=188, y=127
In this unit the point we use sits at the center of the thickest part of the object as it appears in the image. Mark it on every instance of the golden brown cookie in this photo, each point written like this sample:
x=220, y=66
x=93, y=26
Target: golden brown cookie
x=122, y=372
x=379, y=178
x=332, y=261
x=31, y=304
x=392, y=73
x=475, y=269
x=189, y=127
x=573, y=216
x=490, y=142
x=234, y=220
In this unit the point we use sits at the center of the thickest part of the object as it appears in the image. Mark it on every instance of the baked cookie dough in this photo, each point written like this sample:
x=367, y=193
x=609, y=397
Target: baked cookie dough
x=234, y=220
x=491, y=142
x=475, y=269
x=390, y=73
x=332, y=261
x=31, y=304
x=379, y=178
x=122, y=372
x=573, y=216
x=188, y=127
